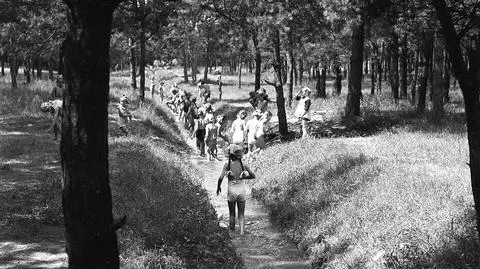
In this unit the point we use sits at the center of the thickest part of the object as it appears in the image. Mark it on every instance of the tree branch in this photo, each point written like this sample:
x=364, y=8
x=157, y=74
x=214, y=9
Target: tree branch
x=269, y=82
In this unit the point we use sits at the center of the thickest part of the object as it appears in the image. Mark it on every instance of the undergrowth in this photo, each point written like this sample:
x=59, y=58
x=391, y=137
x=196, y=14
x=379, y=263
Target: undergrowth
x=395, y=200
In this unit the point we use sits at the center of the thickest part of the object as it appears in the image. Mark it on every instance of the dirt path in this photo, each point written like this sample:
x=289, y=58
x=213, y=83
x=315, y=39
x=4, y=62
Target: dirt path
x=262, y=246
x=30, y=234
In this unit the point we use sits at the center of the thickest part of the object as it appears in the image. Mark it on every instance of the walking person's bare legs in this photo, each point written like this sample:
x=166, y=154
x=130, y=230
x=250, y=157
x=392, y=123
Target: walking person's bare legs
x=241, y=216
x=231, y=210
x=304, y=128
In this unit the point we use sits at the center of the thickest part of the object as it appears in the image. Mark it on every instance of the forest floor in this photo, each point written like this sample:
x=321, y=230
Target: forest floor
x=31, y=234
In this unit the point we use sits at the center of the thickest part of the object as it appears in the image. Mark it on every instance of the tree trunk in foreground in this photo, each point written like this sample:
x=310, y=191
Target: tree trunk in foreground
x=322, y=84
x=352, y=108
x=258, y=61
x=185, y=65
x=427, y=53
x=14, y=70
x=277, y=65
x=437, y=74
x=403, y=68
x=338, y=80
x=143, y=63
x=86, y=198
x=133, y=64
x=394, y=76
x=290, y=70
x=3, y=60
x=470, y=92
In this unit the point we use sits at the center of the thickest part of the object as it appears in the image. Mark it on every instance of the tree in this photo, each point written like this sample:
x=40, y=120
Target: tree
x=469, y=81
x=86, y=199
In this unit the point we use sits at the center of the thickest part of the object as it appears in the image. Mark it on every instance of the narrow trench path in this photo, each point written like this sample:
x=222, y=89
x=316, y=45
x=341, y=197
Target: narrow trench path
x=262, y=245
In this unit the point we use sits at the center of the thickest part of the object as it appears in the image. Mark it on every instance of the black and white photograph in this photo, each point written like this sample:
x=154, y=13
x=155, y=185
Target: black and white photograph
x=240, y=134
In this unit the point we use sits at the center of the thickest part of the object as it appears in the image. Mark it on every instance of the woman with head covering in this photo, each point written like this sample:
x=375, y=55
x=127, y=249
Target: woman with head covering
x=236, y=173
x=303, y=109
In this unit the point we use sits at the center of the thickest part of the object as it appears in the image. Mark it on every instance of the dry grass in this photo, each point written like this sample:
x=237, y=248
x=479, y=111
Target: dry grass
x=399, y=198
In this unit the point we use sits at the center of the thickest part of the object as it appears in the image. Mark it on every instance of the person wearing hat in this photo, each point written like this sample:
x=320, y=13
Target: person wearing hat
x=303, y=109
x=236, y=173
x=172, y=102
x=251, y=128
x=211, y=134
x=203, y=91
x=199, y=133
x=262, y=100
x=124, y=115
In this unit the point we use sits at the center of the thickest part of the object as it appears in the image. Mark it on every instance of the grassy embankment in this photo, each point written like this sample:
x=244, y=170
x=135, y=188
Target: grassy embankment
x=170, y=222
x=399, y=198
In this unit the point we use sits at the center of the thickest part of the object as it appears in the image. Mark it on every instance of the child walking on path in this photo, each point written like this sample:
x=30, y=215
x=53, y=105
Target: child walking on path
x=211, y=134
x=124, y=115
x=236, y=174
x=199, y=133
x=251, y=129
x=238, y=128
x=303, y=109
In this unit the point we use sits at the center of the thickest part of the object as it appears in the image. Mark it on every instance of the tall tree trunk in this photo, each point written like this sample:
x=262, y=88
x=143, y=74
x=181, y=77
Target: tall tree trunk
x=185, y=66
x=380, y=69
x=338, y=80
x=50, y=69
x=290, y=69
x=394, y=76
x=352, y=108
x=372, y=76
x=240, y=72
x=87, y=201
x=403, y=68
x=258, y=61
x=321, y=84
x=446, y=77
x=133, y=63
x=300, y=71
x=415, y=76
x=3, y=59
x=469, y=85
x=39, y=68
x=277, y=66
x=142, y=41
x=437, y=86
x=205, y=73
x=26, y=71
x=14, y=70
x=427, y=55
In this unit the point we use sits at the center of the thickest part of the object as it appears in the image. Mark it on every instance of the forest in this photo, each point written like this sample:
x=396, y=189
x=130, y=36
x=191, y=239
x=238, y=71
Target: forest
x=389, y=176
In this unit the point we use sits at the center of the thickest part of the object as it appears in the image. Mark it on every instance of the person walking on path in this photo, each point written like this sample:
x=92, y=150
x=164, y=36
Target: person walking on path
x=263, y=100
x=302, y=111
x=236, y=173
x=199, y=133
x=251, y=129
x=262, y=128
x=203, y=91
x=154, y=76
x=211, y=134
x=124, y=115
x=238, y=128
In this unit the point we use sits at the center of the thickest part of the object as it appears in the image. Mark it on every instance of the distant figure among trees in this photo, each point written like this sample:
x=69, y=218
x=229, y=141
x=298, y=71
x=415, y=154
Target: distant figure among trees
x=303, y=109
x=124, y=115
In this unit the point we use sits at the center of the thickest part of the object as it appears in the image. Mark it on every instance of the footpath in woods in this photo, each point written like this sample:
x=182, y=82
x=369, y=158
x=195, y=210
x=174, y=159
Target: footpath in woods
x=262, y=245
